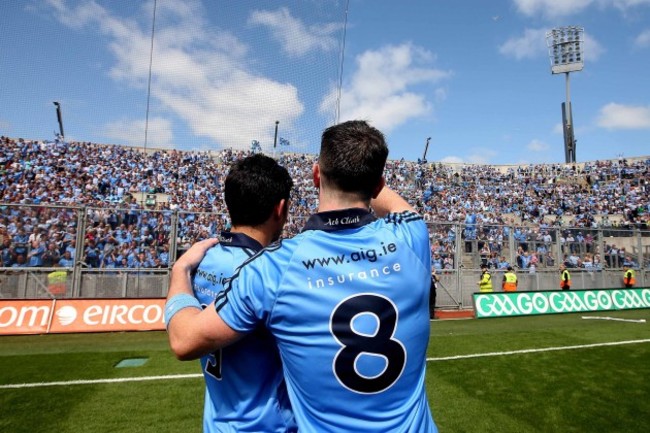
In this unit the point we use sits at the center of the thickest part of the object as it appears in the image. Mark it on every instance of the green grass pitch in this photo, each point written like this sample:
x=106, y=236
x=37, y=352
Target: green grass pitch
x=558, y=373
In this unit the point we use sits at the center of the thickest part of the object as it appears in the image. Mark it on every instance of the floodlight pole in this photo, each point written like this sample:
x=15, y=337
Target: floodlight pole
x=426, y=147
x=275, y=139
x=569, y=115
x=565, y=47
x=59, y=118
x=570, y=146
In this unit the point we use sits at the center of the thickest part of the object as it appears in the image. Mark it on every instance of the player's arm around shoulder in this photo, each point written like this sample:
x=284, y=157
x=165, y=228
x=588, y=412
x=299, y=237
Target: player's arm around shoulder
x=193, y=332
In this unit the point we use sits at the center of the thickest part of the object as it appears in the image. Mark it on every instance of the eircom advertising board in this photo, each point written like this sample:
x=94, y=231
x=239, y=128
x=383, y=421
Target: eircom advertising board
x=508, y=304
x=80, y=315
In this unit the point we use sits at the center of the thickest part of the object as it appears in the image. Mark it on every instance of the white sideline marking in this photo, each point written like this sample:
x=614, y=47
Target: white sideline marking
x=546, y=349
x=92, y=382
x=618, y=319
x=192, y=376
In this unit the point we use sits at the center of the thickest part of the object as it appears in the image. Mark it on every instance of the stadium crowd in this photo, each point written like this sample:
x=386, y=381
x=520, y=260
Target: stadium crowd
x=53, y=179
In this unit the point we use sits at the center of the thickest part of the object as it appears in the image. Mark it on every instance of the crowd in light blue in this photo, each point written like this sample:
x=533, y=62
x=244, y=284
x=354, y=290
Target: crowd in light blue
x=43, y=182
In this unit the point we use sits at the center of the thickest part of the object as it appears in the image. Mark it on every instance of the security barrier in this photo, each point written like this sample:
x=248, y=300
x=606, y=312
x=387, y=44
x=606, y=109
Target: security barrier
x=127, y=253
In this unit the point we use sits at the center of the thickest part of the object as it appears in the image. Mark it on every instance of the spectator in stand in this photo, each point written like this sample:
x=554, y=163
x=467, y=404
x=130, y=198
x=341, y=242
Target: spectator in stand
x=598, y=265
x=7, y=253
x=589, y=242
x=532, y=264
x=523, y=259
x=140, y=261
x=19, y=262
x=549, y=259
x=91, y=254
x=3, y=234
x=109, y=259
x=67, y=261
x=51, y=256
x=629, y=262
x=36, y=251
x=106, y=179
x=21, y=242
x=437, y=262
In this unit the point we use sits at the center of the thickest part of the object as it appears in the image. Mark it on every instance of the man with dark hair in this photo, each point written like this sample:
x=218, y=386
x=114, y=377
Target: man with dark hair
x=253, y=188
x=346, y=299
x=245, y=389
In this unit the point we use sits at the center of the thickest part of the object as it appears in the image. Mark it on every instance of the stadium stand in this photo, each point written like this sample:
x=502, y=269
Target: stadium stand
x=140, y=209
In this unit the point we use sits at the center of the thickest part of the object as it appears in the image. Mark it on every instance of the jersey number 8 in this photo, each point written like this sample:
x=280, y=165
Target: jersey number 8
x=354, y=344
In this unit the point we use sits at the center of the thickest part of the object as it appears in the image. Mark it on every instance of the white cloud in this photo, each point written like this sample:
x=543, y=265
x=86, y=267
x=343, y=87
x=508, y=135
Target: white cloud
x=551, y=8
x=383, y=89
x=563, y=8
x=452, y=160
x=591, y=48
x=131, y=132
x=205, y=78
x=643, y=40
x=626, y=4
x=532, y=44
x=537, y=146
x=618, y=116
x=296, y=38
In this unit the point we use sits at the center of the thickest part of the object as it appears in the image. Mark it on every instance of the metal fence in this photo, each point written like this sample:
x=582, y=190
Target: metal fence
x=128, y=252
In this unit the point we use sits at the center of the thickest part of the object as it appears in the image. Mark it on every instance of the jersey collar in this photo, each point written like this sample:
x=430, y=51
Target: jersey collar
x=238, y=240
x=339, y=220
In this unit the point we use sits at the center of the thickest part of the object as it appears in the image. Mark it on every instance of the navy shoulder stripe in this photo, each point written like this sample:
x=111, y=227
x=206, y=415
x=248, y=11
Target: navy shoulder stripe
x=222, y=297
x=400, y=217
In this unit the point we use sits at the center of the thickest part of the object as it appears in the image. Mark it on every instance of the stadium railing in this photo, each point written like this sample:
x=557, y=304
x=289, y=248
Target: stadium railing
x=135, y=264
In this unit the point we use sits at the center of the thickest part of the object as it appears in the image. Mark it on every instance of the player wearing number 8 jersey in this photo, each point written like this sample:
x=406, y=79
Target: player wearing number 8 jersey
x=346, y=300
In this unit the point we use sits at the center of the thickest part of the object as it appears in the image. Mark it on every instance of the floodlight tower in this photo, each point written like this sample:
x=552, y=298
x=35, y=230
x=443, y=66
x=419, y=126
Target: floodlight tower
x=426, y=147
x=59, y=118
x=565, y=51
x=275, y=138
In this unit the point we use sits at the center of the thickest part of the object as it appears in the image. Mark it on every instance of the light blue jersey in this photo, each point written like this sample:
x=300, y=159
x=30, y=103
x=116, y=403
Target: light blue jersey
x=245, y=389
x=347, y=301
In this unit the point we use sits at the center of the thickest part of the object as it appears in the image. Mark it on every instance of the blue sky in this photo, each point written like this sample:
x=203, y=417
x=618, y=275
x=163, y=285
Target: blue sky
x=472, y=75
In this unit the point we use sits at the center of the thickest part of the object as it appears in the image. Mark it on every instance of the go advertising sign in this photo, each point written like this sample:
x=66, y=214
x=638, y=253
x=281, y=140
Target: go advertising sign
x=83, y=315
x=509, y=304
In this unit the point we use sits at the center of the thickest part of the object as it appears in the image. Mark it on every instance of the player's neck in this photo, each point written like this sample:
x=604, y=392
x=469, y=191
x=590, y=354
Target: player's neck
x=258, y=233
x=339, y=201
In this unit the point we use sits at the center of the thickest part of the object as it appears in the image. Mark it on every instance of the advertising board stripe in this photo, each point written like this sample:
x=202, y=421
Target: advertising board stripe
x=84, y=315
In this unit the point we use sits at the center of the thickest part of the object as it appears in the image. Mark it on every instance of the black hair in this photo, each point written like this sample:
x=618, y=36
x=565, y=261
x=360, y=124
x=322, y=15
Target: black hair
x=254, y=185
x=352, y=157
